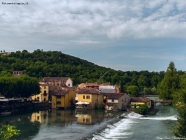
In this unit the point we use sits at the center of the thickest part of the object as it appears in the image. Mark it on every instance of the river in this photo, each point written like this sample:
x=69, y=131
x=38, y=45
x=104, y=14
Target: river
x=93, y=125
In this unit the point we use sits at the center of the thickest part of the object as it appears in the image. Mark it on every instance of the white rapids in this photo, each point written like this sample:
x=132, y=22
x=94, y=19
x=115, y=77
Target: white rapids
x=122, y=129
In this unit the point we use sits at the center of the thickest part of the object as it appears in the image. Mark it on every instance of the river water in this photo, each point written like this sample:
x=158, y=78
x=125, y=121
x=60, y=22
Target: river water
x=93, y=125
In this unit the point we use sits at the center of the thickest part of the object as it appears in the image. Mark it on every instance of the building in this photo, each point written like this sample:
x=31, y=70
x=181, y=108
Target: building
x=63, y=99
x=115, y=101
x=58, y=81
x=105, y=88
x=89, y=97
x=137, y=101
x=88, y=85
x=44, y=93
x=18, y=73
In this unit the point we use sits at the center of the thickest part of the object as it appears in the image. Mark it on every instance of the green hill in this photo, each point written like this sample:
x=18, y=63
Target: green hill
x=54, y=63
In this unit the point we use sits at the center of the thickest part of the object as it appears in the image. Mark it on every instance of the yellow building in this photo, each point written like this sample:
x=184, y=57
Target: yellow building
x=44, y=93
x=137, y=101
x=90, y=96
x=63, y=99
x=40, y=116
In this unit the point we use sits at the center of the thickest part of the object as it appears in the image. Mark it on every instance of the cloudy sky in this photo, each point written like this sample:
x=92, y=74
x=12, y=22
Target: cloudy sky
x=121, y=34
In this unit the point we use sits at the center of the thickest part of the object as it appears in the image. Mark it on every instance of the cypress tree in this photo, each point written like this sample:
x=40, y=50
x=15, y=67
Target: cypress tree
x=169, y=84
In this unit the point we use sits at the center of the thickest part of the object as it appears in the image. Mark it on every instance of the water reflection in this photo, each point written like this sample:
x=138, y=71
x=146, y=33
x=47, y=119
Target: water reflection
x=40, y=116
x=57, y=124
x=89, y=117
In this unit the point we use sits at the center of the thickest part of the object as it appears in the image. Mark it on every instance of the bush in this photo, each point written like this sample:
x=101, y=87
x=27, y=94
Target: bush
x=7, y=131
x=143, y=109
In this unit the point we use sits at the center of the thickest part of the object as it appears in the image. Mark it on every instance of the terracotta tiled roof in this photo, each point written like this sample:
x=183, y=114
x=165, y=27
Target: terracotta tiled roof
x=88, y=90
x=114, y=95
x=48, y=79
x=140, y=99
x=43, y=83
x=59, y=92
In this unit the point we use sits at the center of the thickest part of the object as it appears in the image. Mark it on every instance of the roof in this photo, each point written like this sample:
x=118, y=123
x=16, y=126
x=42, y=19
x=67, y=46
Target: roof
x=48, y=79
x=43, y=84
x=114, y=95
x=140, y=99
x=59, y=92
x=92, y=84
x=88, y=91
x=107, y=89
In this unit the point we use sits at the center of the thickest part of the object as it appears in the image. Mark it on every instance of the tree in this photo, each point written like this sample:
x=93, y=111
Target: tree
x=155, y=80
x=23, y=86
x=133, y=91
x=121, y=86
x=180, y=129
x=142, y=82
x=169, y=84
x=179, y=99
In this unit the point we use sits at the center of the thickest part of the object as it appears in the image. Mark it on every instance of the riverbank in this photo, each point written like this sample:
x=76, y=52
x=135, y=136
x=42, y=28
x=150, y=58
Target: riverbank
x=21, y=106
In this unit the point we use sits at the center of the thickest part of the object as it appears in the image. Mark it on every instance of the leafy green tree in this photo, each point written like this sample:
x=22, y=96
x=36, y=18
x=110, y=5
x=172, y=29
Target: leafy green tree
x=8, y=131
x=180, y=129
x=23, y=86
x=153, y=90
x=142, y=82
x=133, y=91
x=147, y=90
x=121, y=86
x=179, y=99
x=155, y=80
x=169, y=84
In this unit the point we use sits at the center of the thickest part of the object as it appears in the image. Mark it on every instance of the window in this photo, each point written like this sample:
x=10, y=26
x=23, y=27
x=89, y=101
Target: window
x=44, y=87
x=87, y=120
x=44, y=91
x=88, y=97
x=58, y=103
x=83, y=96
x=68, y=84
x=58, y=97
x=112, y=100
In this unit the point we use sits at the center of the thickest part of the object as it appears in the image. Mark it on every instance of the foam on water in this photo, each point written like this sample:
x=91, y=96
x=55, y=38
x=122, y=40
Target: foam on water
x=134, y=115
x=138, y=116
x=174, y=117
x=115, y=131
x=122, y=129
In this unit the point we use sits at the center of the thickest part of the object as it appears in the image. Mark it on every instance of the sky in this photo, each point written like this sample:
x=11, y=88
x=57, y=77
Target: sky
x=123, y=35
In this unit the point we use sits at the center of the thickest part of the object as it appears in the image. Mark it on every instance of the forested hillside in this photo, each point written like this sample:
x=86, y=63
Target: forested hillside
x=54, y=63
